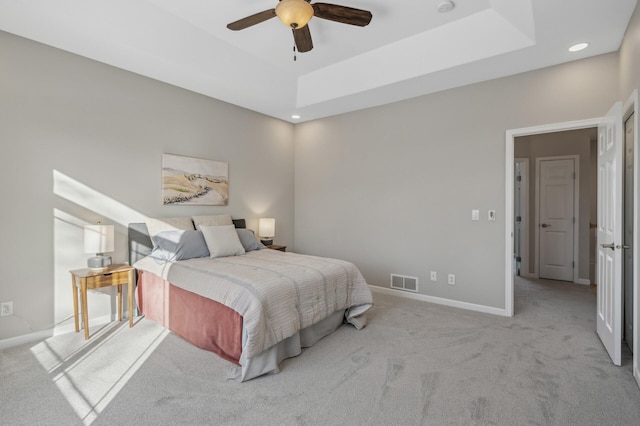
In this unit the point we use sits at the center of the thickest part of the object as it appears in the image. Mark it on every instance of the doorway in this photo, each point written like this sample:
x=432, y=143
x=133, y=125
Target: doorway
x=555, y=243
x=510, y=136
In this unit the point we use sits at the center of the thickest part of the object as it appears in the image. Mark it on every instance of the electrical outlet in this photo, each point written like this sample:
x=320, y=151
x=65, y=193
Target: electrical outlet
x=6, y=309
x=434, y=276
x=451, y=279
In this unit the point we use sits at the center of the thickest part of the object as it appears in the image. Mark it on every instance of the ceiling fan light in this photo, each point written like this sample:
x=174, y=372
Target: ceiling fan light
x=294, y=13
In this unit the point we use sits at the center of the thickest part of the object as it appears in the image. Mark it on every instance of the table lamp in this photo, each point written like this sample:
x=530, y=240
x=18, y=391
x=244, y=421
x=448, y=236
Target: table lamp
x=267, y=230
x=98, y=239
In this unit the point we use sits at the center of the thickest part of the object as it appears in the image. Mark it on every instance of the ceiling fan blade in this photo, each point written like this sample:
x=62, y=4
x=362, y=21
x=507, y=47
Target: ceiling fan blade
x=302, y=37
x=342, y=14
x=249, y=21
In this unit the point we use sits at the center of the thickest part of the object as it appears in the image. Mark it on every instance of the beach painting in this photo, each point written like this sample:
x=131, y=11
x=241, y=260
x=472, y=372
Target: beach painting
x=194, y=181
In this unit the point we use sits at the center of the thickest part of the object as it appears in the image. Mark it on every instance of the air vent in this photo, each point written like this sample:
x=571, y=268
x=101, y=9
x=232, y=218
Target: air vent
x=403, y=282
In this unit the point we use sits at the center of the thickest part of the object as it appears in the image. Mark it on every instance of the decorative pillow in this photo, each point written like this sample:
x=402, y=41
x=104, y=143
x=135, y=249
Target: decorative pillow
x=212, y=220
x=249, y=240
x=222, y=241
x=179, y=245
x=155, y=226
x=239, y=223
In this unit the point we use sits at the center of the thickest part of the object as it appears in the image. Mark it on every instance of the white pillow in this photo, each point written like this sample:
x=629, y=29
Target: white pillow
x=212, y=220
x=222, y=241
x=155, y=226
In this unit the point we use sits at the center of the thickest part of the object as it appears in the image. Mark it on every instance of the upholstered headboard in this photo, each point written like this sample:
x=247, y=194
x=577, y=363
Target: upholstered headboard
x=139, y=242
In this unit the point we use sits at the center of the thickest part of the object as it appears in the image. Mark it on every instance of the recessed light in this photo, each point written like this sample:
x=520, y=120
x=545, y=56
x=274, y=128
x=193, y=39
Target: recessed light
x=295, y=116
x=578, y=47
x=445, y=6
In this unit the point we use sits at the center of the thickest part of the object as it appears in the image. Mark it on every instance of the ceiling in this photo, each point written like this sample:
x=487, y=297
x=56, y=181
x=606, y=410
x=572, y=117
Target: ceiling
x=408, y=49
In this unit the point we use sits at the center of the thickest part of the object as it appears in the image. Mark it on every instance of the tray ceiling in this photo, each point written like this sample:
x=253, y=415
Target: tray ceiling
x=408, y=49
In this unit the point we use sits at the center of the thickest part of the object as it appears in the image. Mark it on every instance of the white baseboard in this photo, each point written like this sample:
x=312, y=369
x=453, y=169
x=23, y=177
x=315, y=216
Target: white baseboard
x=441, y=301
x=584, y=281
x=56, y=331
x=636, y=374
x=25, y=338
x=529, y=275
x=70, y=328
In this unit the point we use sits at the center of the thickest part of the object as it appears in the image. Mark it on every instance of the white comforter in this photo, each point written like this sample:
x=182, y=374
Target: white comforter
x=277, y=294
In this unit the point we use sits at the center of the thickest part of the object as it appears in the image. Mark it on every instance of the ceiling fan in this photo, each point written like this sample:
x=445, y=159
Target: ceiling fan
x=296, y=13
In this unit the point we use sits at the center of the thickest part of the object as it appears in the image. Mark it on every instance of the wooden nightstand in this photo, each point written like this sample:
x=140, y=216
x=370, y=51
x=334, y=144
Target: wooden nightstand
x=277, y=247
x=89, y=279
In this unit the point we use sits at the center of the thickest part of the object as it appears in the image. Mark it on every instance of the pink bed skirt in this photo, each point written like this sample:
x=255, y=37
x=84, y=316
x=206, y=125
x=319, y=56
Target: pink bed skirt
x=203, y=322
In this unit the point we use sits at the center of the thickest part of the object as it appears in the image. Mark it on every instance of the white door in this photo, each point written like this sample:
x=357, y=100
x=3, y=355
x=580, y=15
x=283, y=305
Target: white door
x=610, y=173
x=556, y=214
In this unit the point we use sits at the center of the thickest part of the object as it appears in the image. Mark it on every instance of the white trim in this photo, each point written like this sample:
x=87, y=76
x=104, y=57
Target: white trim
x=105, y=319
x=630, y=107
x=440, y=301
x=583, y=281
x=25, y=338
x=576, y=213
x=509, y=224
x=56, y=331
x=536, y=221
x=510, y=136
x=524, y=214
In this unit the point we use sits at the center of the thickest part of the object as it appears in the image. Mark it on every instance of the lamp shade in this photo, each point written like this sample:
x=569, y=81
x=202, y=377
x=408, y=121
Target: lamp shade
x=267, y=227
x=294, y=13
x=98, y=238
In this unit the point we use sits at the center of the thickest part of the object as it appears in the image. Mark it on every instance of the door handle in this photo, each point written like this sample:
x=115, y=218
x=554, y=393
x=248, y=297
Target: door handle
x=544, y=225
x=623, y=247
x=611, y=246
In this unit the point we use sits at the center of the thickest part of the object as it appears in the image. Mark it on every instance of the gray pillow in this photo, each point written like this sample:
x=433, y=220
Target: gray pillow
x=249, y=240
x=179, y=245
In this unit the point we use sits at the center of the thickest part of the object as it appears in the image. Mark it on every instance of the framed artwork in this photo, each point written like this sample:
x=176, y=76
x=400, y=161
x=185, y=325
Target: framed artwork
x=194, y=181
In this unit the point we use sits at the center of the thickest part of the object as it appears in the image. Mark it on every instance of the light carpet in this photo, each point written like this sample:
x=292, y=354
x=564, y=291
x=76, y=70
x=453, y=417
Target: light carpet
x=414, y=364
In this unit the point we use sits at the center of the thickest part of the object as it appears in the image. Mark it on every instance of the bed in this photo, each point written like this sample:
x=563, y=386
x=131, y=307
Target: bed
x=253, y=309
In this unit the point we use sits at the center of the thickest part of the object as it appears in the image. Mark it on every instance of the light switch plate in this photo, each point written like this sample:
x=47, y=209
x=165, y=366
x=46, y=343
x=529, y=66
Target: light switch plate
x=491, y=215
x=475, y=214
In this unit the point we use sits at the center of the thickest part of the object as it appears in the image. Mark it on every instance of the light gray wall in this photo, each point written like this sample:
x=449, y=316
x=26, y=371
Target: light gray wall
x=576, y=142
x=392, y=188
x=82, y=141
x=630, y=57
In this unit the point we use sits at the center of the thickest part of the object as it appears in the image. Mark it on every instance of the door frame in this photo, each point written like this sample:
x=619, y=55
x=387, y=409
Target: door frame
x=511, y=134
x=629, y=108
x=576, y=215
x=510, y=137
x=524, y=213
x=626, y=115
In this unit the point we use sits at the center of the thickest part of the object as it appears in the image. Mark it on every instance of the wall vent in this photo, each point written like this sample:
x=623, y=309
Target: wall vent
x=404, y=282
